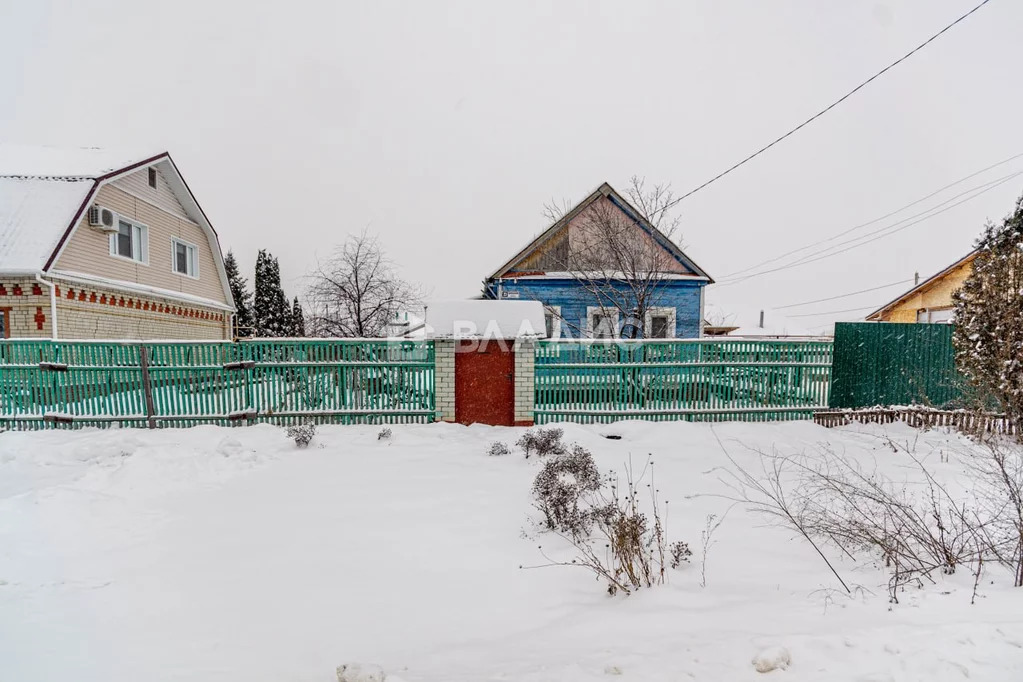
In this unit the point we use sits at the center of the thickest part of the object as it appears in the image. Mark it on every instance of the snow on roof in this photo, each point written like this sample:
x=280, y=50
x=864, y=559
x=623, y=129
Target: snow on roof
x=33, y=214
x=66, y=162
x=41, y=190
x=474, y=319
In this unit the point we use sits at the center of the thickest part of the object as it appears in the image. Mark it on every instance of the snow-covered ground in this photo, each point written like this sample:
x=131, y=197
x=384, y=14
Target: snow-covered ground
x=214, y=554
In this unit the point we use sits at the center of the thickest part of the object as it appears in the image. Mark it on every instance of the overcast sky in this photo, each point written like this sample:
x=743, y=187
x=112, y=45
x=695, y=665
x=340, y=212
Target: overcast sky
x=443, y=127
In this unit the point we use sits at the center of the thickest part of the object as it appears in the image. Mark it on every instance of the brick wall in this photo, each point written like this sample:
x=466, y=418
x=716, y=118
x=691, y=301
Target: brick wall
x=444, y=381
x=94, y=312
x=525, y=381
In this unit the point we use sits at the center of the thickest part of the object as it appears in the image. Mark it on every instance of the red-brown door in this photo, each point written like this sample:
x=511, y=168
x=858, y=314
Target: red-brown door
x=485, y=383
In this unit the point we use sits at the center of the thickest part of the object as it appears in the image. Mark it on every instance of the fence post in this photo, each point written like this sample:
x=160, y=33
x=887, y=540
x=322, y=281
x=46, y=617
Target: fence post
x=147, y=386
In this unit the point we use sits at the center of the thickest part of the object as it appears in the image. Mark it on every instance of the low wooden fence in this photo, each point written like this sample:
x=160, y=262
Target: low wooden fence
x=696, y=380
x=965, y=421
x=47, y=383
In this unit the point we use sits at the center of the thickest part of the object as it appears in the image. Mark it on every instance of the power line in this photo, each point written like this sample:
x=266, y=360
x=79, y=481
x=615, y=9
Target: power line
x=875, y=220
x=852, y=293
x=825, y=109
x=807, y=260
x=833, y=312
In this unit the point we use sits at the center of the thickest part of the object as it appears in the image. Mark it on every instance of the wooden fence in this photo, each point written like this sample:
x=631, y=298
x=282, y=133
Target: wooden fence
x=697, y=380
x=920, y=417
x=48, y=383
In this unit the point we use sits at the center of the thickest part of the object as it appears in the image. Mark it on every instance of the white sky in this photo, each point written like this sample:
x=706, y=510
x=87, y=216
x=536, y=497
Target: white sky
x=444, y=127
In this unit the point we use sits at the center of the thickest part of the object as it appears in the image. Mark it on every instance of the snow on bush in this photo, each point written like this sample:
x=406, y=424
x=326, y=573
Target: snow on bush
x=355, y=672
x=542, y=442
x=772, y=658
x=498, y=449
x=302, y=434
x=385, y=434
x=560, y=487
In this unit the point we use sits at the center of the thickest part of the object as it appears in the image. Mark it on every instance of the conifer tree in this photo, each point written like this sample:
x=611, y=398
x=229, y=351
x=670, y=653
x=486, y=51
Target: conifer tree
x=271, y=311
x=989, y=317
x=297, y=319
x=242, y=297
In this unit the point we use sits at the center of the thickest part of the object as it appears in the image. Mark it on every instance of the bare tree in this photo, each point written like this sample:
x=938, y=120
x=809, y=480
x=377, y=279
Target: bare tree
x=357, y=291
x=623, y=269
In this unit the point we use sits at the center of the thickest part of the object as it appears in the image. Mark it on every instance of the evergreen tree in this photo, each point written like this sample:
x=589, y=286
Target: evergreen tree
x=272, y=315
x=989, y=317
x=242, y=297
x=297, y=319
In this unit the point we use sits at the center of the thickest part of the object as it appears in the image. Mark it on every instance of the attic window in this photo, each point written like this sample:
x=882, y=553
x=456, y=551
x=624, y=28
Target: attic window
x=152, y=178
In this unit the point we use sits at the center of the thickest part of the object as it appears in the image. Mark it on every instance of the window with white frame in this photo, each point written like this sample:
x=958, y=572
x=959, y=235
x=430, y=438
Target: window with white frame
x=601, y=323
x=185, y=258
x=659, y=323
x=130, y=241
x=552, y=321
x=935, y=315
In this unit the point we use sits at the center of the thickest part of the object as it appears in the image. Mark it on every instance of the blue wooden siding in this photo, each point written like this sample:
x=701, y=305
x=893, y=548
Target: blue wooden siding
x=573, y=299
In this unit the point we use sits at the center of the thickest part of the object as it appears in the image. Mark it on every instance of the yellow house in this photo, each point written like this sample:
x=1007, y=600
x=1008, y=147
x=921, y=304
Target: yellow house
x=929, y=301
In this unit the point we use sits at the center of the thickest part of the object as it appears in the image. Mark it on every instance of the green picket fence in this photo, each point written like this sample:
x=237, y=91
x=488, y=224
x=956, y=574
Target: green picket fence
x=887, y=363
x=697, y=380
x=46, y=383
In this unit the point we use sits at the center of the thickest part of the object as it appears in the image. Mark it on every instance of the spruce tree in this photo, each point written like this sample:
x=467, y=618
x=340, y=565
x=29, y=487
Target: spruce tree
x=297, y=319
x=989, y=317
x=271, y=311
x=242, y=297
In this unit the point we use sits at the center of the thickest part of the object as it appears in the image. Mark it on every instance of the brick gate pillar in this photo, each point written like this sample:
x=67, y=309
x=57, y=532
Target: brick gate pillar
x=525, y=381
x=444, y=379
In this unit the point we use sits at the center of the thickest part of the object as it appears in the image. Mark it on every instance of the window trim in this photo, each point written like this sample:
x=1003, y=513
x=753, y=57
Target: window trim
x=659, y=311
x=592, y=310
x=143, y=241
x=174, y=256
x=555, y=312
x=938, y=309
x=5, y=332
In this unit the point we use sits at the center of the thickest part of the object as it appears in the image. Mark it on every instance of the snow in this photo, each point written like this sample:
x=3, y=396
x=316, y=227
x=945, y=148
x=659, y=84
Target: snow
x=67, y=162
x=473, y=319
x=218, y=554
x=772, y=658
x=34, y=212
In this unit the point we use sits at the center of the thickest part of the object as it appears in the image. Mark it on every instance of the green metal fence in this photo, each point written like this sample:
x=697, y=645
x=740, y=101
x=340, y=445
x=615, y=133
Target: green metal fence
x=46, y=383
x=885, y=363
x=699, y=380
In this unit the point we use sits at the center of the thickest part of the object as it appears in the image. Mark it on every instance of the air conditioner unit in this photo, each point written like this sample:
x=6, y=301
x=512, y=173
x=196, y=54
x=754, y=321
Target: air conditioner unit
x=103, y=219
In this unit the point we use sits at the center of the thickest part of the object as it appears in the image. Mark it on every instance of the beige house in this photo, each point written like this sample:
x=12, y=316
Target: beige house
x=930, y=300
x=96, y=244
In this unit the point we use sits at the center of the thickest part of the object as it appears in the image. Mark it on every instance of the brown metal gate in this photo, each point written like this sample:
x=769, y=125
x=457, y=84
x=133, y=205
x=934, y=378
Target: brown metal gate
x=485, y=383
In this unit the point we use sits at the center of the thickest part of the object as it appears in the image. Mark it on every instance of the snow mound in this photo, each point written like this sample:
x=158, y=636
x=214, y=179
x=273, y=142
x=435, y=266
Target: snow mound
x=355, y=672
x=772, y=658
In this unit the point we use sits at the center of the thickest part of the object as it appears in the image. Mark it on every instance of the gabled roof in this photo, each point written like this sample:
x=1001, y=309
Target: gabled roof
x=44, y=192
x=605, y=190
x=923, y=286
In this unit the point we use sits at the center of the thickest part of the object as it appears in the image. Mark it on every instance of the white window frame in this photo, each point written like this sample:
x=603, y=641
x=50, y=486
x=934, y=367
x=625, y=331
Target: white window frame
x=143, y=232
x=597, y=310
x=194, y=259
x=648, y=321
x=928, y=315
x=555, y=312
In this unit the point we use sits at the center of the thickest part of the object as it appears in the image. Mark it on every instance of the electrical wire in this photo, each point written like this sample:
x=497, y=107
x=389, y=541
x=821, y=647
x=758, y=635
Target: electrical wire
x=875, y=220
x=833, y=312
x=824, y=110
x=807, y=260
x=852, y=293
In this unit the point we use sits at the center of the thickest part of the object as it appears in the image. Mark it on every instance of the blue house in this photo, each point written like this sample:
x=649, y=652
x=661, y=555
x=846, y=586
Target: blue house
x=604, y=271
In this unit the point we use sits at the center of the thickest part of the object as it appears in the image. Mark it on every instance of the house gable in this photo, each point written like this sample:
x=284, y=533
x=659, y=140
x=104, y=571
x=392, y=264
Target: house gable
x=934, y=292
x=556, y=250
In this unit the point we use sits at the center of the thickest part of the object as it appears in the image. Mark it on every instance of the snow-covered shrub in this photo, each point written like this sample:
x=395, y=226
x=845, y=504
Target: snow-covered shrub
x=385, y=434
x=498, y=449
x=680, y=553
x=560, y=487
x=302, y=434
x=355, y=672
x=772, y=658
x=542, y=442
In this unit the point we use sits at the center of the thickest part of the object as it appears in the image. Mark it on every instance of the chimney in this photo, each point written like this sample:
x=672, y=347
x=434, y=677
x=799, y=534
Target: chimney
x=916, y=278
x=761, y=319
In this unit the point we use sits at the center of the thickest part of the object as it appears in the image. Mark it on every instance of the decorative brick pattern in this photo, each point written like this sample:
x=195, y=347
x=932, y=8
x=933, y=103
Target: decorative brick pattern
x=525, y=381
x=444, y=381
x=90, y=312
